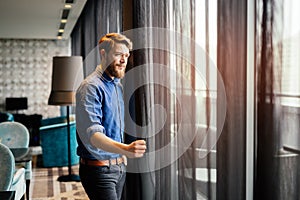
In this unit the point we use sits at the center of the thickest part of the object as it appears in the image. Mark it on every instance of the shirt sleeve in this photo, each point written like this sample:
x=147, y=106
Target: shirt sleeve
x=88, y=111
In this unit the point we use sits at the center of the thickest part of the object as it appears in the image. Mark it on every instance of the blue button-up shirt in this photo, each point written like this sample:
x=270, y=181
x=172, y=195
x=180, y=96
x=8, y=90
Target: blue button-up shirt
x=99, y=108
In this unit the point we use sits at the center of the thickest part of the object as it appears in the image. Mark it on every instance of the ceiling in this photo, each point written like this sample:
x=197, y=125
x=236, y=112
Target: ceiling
x=36, y=19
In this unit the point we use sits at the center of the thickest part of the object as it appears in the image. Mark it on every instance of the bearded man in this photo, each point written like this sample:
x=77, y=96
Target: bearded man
x=100, y=123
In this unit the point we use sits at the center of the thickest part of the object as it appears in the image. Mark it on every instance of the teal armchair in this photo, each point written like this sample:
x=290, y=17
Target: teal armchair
x=54, y=142
x=11, y=179
x=16, y=135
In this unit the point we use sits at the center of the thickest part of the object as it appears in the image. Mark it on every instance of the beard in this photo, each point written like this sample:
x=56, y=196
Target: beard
x=114, y=71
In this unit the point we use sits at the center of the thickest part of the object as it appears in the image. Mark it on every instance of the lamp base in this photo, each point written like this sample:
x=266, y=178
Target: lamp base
x=69, y=178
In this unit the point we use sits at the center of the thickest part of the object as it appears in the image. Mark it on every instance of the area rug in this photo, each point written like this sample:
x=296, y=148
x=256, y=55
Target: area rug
x=44, y=185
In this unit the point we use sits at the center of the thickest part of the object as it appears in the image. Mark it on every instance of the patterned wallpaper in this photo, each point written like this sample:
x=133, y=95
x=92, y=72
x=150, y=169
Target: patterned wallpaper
x=26, y=71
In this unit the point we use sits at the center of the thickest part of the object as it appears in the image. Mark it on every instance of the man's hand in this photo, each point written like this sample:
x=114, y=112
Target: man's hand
x=136, y=149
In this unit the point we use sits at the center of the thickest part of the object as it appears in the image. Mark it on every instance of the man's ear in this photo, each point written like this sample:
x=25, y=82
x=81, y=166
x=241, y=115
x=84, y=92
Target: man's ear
x=102, y=53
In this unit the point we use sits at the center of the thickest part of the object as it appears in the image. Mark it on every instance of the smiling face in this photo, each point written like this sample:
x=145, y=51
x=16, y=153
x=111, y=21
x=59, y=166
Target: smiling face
x=116, y=60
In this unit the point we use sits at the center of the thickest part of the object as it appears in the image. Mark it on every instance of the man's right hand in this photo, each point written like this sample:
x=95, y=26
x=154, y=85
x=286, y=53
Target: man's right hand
x=136, y=149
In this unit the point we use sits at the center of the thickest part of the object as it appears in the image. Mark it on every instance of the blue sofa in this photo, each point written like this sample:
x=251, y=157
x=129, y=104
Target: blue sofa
x=54, y=142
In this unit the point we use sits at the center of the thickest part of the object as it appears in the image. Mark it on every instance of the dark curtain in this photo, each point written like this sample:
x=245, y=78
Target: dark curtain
x=150, y=185
x=170, y=48
x=232, y=63
x=277, y=169
x=96, y=19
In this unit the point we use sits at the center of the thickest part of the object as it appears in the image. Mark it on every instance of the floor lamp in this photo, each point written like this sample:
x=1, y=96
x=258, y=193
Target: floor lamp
x=66, y=76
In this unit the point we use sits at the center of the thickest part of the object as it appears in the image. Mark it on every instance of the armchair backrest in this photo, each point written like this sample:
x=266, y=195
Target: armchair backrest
x=7, y=167
x=14, y=135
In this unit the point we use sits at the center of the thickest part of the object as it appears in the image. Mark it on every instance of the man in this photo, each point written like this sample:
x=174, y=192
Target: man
x=100, y=123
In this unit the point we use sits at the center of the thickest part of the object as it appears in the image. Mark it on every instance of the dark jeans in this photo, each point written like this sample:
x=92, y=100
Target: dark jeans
x=103, y=182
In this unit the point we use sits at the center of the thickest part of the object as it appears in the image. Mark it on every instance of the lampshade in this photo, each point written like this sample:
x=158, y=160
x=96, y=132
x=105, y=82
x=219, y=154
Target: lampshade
x=66, y=76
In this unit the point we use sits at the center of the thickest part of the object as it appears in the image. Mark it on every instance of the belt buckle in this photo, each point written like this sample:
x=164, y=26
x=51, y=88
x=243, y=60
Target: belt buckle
x=118, y=160
x=115, y=161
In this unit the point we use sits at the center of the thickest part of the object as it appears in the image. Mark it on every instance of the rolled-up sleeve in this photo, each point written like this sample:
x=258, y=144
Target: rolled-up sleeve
x=88, y=111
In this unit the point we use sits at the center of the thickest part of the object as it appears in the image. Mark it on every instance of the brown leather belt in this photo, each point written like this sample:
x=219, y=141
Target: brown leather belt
x=113, y=161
